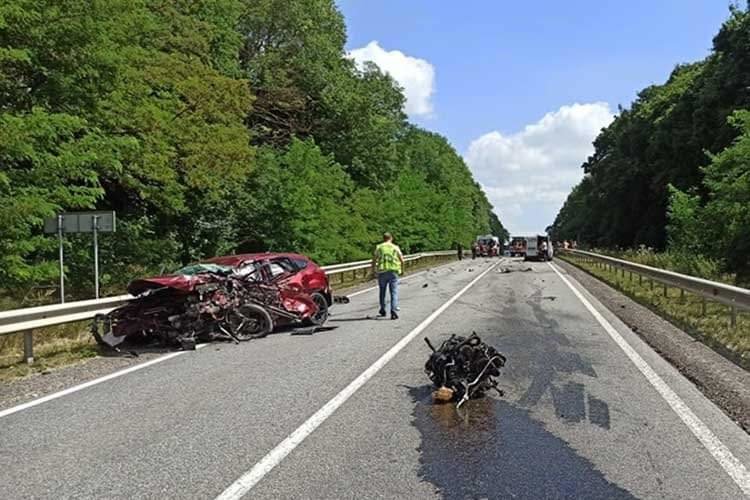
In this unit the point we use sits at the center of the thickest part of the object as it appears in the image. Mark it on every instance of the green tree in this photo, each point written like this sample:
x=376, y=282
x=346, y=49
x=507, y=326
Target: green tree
x=663, y=139
x=728, y=182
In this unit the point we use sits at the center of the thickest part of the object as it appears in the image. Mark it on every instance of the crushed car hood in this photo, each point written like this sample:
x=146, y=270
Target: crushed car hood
x=179, y=282
x=184, y=280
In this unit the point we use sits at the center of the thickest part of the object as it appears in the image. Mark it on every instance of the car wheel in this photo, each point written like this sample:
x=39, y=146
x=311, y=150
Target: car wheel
x=321, y=316
x=250, y=321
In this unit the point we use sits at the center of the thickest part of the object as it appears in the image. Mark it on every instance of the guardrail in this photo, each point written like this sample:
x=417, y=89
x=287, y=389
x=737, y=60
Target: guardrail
x=29, y=319
x=735, y=297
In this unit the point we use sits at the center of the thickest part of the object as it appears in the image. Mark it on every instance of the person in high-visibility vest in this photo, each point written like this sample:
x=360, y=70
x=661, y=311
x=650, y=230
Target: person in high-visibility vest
x=388, y=264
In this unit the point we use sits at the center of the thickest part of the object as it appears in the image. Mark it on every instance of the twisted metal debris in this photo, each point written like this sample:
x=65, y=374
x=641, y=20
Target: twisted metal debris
x=224, y=307
x=463, y=368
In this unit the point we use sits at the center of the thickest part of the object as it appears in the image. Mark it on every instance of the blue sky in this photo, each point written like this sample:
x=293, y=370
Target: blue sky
x=505, y=78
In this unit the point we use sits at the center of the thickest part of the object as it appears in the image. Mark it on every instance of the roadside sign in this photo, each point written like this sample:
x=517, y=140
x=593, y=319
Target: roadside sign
x=80, y=222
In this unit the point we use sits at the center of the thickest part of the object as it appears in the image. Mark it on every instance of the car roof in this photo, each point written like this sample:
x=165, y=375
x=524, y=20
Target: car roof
x=243, y=258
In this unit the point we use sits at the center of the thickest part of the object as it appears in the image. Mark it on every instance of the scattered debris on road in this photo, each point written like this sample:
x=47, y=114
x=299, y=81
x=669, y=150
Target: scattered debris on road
x=463, y=368
x=425, y=285
x=508, y=270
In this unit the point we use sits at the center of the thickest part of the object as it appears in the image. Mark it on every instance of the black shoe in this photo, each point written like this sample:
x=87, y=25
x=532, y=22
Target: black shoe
x=394, y=315
x=381, y=313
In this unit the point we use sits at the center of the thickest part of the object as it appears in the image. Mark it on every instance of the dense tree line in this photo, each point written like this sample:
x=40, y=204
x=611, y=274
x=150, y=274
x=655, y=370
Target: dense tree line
x=673, y=170
x=210, y=126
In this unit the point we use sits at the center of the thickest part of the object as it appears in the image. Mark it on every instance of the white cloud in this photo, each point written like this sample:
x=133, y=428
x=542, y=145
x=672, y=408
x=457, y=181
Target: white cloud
x=416, y=76
x=528, y=174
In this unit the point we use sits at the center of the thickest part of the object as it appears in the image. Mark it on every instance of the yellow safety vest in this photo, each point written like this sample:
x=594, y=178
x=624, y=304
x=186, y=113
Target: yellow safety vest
x=387, y=258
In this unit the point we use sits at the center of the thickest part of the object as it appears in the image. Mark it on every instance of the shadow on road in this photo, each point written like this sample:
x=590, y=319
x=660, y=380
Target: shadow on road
x=493, y=449
x=359, y=318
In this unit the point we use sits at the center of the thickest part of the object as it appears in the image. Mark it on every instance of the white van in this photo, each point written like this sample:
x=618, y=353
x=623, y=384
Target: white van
x=534, y=245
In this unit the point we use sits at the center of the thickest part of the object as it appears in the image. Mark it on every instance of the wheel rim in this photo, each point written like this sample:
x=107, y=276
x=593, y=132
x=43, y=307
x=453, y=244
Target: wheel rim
x=248, y=323
x=322, y=315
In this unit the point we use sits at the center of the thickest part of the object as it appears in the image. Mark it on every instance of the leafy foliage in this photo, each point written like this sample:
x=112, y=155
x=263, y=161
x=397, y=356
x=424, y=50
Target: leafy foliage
x=648, y=182
x=209, y=126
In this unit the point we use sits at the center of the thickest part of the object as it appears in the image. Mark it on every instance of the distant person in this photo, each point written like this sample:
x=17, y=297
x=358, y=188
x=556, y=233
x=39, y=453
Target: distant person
x=543, y=250
x=460, y=251
x=388, y=263
x=474, y=250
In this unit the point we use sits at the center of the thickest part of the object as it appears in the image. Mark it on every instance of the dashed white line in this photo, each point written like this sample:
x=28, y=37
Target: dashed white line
x=248, y=480
x=736, y=469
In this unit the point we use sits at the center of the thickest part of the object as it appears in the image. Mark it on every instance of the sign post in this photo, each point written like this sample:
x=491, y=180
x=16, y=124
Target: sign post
x=80, y=222
x=95, y=229
x=62, y=266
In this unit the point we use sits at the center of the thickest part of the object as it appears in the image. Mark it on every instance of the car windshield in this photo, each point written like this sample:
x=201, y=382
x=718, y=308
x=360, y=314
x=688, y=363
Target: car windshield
x=194, y=269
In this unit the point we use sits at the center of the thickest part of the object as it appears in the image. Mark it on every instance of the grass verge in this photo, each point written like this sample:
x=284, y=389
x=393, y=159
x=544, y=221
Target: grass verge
x=712, y=326
x=54, y=347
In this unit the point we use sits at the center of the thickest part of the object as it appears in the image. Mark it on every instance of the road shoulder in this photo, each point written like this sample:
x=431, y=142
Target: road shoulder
x=720, y=380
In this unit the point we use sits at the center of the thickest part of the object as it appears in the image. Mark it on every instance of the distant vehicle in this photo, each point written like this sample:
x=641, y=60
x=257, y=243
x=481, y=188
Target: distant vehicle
x=489, y=246
x=518, y=246
x=538, y=247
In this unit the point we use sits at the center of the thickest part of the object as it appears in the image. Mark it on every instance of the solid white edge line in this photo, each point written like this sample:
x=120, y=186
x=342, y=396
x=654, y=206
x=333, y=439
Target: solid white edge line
x=274, y=457
x=736, y=470
x=90, y=383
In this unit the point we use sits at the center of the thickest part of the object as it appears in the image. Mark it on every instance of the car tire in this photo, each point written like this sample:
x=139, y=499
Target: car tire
x=322, y=315
x=250, y=321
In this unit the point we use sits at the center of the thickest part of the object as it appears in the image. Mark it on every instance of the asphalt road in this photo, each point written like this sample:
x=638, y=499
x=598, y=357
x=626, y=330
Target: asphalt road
x=579, y=418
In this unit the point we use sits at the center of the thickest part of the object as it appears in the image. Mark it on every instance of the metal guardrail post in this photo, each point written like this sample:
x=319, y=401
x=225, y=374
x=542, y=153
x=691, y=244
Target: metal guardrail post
x=733, y=317
x=703, y=306
x=28, y=346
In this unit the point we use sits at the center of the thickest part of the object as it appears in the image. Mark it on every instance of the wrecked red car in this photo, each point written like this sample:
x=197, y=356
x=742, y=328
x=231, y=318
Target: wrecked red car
x=235, y=297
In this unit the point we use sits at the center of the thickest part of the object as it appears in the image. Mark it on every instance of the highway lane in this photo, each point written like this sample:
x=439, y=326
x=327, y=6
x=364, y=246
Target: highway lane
x=578, y=419
x=189, y=426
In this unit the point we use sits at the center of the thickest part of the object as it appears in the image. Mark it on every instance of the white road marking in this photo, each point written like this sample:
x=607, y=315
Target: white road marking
x=736, y=469
x=248, y=480
x=90, y=383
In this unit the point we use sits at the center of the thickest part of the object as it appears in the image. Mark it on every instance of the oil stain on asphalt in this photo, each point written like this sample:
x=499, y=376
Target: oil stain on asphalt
x=494, y=449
